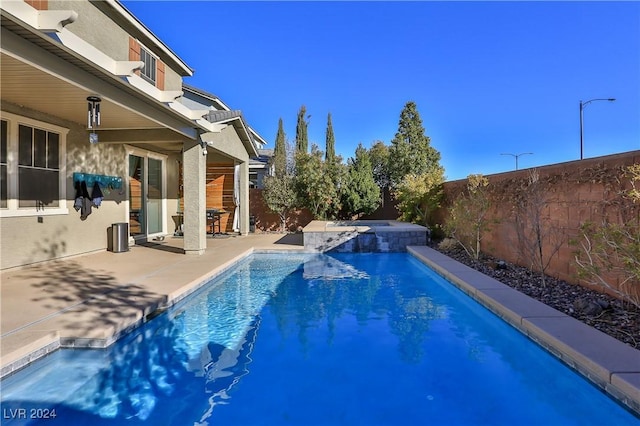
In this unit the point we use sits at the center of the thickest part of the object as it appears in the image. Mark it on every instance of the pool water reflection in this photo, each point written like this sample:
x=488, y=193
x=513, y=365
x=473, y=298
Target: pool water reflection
x=315, y=339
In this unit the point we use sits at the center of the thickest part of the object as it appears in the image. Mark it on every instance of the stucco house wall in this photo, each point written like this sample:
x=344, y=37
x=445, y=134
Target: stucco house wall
x=96, y=28
x=35, y=238
x=75, y=50
x=111, y=36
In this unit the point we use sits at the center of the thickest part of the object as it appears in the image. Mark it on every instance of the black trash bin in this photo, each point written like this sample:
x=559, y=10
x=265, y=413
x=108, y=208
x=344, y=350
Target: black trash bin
x=252, y=224
x=118, y=237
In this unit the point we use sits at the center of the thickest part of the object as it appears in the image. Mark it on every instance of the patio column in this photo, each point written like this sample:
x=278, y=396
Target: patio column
x=244, y=198
x=194, y=171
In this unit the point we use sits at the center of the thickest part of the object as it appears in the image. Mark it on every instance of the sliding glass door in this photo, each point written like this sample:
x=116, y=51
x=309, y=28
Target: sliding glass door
x=146, y=194
x=154, y=196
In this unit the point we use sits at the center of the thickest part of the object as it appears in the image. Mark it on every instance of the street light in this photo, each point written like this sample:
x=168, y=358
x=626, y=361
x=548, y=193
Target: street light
x=518, y=155
x=582, y=105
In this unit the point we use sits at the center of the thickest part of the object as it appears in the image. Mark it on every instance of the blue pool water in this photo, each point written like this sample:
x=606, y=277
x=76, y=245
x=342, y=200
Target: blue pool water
x=353, y=339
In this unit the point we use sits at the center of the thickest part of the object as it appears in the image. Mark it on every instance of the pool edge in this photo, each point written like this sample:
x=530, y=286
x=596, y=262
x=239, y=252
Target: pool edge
x=615, y=369
x=46, y=342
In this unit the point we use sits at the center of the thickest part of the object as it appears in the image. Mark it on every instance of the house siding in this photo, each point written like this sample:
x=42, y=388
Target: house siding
x=25, y=240
x=114, y=40
x=96, y=28
x=33, y=239
x=32, y=236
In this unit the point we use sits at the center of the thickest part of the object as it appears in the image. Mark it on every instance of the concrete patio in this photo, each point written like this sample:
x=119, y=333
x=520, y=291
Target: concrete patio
x=91, y=300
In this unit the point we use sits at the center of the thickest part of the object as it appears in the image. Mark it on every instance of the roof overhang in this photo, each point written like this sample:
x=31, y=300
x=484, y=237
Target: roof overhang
x=217, y=103
x=235, y=119
x=45, y=76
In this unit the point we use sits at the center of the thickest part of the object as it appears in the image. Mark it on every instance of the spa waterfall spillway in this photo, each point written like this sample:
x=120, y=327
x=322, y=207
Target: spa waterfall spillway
x=363, y=236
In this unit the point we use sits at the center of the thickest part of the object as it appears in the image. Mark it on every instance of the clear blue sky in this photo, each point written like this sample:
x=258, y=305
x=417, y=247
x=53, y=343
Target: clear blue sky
x=488, y=77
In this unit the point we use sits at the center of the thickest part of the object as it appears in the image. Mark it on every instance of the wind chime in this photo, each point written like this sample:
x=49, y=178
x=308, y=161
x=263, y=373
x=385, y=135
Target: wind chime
x=93, y=117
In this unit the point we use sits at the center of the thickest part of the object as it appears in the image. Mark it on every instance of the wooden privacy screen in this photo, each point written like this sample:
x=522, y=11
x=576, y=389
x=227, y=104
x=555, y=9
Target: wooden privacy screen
x=219, y=189
x=135, y=202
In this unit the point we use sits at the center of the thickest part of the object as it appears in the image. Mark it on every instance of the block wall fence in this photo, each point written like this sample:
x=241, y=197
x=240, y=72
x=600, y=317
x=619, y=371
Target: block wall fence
x=270, y=222
x=574, y=193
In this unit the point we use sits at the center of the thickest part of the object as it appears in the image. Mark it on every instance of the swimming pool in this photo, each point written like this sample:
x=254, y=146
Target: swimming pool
x=372, y=339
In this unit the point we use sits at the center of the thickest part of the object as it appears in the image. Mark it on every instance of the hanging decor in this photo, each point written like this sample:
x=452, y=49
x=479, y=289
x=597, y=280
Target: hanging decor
x=93, y=117
x=100, y=185
x=113, y=182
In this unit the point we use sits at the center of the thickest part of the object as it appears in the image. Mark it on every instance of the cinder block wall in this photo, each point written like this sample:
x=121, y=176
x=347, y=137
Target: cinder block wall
x=575, y=192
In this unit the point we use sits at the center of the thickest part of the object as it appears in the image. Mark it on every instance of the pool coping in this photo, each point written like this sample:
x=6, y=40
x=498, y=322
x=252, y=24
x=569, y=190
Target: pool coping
x=611, y=365
x=355, y=236
x=362, y=226
x=31, y=345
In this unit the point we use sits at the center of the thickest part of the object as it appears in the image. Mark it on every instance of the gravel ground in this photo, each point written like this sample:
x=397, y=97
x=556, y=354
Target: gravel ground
x=605, y=313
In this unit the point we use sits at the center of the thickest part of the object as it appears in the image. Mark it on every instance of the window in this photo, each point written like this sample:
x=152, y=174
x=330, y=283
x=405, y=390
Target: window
x=38, y=169
x=149, y=70
x=31, y=167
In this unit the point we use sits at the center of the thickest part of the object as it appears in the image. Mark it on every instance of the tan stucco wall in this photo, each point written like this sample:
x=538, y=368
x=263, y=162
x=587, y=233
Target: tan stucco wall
x=228, y=142
x=27, y=240
x=102, y=32
x=172, y=81
x=96, y=28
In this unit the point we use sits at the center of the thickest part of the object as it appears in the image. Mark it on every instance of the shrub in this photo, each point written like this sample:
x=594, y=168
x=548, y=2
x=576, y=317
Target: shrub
x=447, y=244
x=468, y=215
x=608, y=254
x=419, y=195
x=539, y=238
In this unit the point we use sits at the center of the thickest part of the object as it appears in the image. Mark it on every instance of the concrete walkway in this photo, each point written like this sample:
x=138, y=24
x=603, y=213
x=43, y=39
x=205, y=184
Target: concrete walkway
x=89, y=300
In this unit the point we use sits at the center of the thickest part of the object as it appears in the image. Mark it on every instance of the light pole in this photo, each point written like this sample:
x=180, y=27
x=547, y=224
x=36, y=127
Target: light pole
x=518, y=155
x=582, y=105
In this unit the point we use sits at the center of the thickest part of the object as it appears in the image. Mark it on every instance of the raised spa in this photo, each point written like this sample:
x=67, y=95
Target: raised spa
x=363, y=236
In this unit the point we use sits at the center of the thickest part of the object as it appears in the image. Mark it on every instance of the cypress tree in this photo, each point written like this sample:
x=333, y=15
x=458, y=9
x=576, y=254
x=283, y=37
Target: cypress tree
x=302, y=140
x=330, y=148
x=280, y=153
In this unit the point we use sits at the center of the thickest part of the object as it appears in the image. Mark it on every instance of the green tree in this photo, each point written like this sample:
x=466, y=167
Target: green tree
x=280, y=152
x=379, y=156
x=411, y=149
x=361, y=194
x=335, y=169
x=302, y=140
x=314, y=185
x=280, y=196
x=330, y=147
x=279, y=191
x=419, y=195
